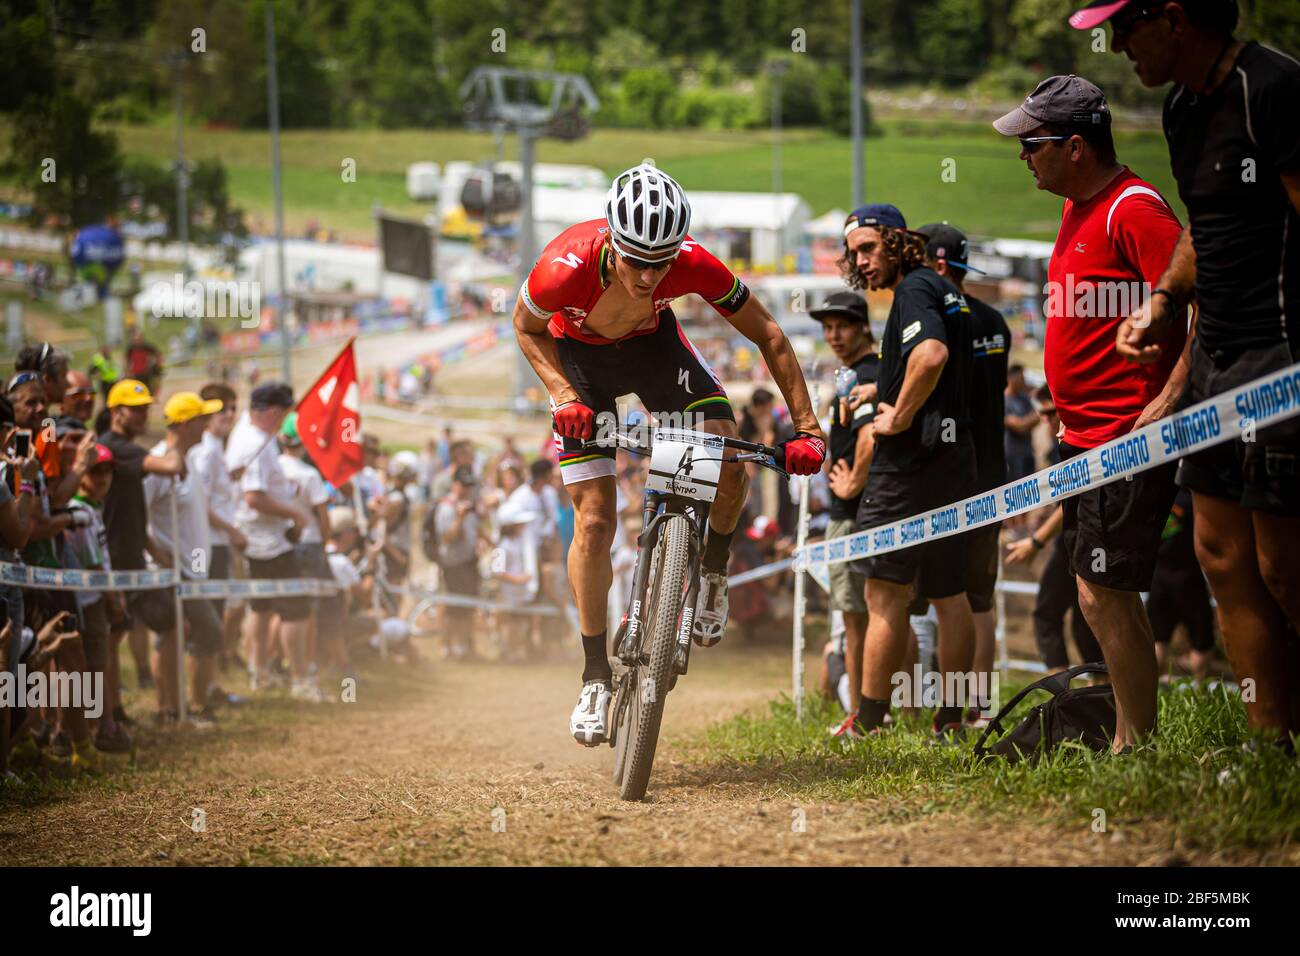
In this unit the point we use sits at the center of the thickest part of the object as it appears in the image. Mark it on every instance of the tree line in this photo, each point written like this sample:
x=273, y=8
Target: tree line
x=69, y=68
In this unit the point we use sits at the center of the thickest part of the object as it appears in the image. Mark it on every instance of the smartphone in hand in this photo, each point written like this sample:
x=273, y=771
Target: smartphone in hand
x=22, y=443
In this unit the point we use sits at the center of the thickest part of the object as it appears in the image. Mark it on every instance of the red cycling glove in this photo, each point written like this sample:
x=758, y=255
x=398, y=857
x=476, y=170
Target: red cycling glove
x=574, y=420
x=804, y=454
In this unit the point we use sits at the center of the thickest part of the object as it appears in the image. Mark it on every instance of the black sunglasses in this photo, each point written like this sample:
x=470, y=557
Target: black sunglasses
x=1032, y=144
x=1122, y=25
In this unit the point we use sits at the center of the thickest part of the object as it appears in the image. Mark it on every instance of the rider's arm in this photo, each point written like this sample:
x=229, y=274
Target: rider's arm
x=754, y=322
x=538, y=346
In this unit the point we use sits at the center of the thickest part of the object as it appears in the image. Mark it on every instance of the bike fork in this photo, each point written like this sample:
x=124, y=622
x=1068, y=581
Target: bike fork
x=682, y=652
x=627, y=641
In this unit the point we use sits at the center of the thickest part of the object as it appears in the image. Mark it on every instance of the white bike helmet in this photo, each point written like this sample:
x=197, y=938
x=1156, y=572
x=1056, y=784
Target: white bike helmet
x=648, y=214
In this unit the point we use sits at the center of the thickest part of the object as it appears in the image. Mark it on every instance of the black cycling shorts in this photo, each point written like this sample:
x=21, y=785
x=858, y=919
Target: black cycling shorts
x=661, y=367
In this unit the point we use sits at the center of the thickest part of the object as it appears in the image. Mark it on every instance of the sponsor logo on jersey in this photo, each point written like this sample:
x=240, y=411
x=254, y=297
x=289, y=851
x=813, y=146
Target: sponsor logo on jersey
x=954, y=302
x=989, y=345
x=911, y=331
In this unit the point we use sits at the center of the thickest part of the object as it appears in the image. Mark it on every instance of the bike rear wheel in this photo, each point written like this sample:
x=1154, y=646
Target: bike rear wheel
x=649, y=682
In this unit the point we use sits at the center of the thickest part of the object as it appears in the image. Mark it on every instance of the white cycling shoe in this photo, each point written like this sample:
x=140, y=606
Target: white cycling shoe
x=710, y=609
x=589, y=722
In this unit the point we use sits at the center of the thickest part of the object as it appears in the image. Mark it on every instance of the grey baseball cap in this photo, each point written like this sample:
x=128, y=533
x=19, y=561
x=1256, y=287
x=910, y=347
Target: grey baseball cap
x=1065, y=100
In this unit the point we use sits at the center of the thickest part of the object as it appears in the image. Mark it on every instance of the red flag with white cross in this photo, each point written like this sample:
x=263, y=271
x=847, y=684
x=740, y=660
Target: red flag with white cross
x=329, y=420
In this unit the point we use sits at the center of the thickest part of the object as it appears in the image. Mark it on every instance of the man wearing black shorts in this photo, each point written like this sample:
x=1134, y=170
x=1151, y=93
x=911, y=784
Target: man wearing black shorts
x=945, y=253
x=1116, y=234
x=271, y=522
x=924, y=458
x=126, y=519
x=1233, y=128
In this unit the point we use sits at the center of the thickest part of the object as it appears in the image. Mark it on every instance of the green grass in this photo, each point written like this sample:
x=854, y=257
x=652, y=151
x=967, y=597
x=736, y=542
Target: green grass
x=1197, y=777
x=993, y=193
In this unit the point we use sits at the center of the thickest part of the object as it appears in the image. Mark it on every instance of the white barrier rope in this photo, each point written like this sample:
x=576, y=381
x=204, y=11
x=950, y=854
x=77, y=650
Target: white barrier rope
x=75, y=579
x=762, y=571
x=1240, y=411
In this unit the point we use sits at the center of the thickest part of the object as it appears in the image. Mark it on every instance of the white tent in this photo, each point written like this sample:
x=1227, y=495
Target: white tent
x=829, y=225
x=545, y=175
x=734, y=225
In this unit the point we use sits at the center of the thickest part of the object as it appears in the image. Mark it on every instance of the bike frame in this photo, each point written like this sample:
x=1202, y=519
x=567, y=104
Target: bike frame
x=657, y=506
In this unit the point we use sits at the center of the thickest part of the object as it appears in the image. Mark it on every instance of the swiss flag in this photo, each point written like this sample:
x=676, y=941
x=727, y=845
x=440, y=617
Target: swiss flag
x=329, y=420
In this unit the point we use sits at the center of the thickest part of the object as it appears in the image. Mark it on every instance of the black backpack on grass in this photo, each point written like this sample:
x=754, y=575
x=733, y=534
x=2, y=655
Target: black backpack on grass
x=1083, y=714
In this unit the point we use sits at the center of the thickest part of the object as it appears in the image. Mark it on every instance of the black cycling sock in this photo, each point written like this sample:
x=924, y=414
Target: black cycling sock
x=717, y=550
x=593, y=649
x=871, y=713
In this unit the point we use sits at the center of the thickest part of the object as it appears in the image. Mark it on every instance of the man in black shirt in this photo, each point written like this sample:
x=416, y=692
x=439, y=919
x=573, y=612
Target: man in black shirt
x=945, y=253
x=126, y=519
x=924, y=456
x=1233, y=128
x=847, y=329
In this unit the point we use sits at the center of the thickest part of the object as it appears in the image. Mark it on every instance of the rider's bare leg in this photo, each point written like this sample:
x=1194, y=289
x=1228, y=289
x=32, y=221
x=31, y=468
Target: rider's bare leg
x=591, y=571
x=732, y=485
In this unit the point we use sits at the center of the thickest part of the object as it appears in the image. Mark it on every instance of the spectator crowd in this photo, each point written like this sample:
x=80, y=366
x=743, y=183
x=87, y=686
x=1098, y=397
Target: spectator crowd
x=215, y=486
x=1205, y=307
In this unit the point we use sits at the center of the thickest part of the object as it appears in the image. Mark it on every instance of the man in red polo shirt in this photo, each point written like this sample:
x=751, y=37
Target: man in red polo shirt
x=1116, y=235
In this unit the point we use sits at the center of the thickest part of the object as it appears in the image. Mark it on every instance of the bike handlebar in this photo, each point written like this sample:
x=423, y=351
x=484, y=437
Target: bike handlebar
x=760, y=454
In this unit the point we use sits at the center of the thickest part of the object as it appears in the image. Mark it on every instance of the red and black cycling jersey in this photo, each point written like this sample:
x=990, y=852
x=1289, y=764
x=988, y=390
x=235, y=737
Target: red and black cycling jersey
x=568, y=279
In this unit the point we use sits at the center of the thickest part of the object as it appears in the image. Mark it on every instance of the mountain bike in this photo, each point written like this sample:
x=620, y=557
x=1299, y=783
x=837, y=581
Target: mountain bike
x=652, y=646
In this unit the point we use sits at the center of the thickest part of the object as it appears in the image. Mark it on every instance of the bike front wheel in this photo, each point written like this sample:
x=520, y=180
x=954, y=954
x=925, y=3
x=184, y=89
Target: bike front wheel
x=649, y=680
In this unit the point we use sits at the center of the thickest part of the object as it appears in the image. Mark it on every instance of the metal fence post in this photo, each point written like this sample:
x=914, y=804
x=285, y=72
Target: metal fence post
x=800, y=583
x=182, y=711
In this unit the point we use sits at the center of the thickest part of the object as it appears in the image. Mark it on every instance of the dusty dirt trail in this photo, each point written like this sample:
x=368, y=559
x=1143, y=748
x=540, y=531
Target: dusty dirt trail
x=470, y=764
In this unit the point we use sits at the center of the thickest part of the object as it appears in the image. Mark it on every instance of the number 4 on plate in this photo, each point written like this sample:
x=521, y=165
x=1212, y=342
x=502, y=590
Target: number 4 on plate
x=688, y=459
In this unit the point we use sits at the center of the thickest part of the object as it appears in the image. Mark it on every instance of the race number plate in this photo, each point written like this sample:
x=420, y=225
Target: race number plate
x=685, y=463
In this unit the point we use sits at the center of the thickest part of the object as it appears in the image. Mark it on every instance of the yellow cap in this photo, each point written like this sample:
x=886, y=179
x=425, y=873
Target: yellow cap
x=185, y=406
x=129, y=391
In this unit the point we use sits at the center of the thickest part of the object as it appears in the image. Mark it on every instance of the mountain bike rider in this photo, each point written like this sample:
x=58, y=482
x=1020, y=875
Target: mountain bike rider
x=594, y=320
